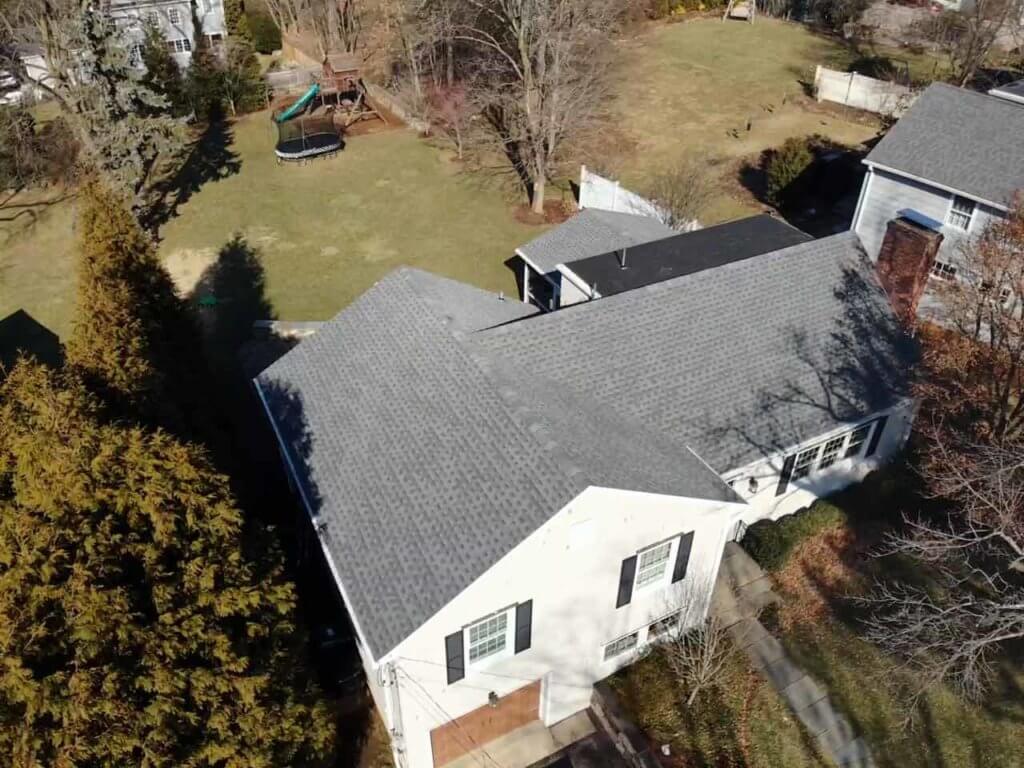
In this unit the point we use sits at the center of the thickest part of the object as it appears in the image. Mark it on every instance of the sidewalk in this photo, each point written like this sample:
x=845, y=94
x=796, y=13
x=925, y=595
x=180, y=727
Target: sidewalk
x=741, y=591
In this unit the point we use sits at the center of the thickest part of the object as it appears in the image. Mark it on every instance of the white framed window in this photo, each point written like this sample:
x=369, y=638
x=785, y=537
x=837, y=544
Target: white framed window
x=174, y=16
x=961, y=212
x=805, y=461
x=858, y=437
x=488, y=637
x=151, y=18
x=135, y=55
x=663, y=626
x=832, y=451
x=181, y=45
x=942, y=270
x=652, y=565
x=620, y=646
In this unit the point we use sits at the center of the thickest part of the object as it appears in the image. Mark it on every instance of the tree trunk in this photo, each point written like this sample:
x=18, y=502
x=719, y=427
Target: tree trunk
x=538, y=194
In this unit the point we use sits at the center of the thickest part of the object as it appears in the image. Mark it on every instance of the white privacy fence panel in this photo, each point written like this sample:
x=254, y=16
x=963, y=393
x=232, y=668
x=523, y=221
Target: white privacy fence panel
x=608, y=195
x=867, y=93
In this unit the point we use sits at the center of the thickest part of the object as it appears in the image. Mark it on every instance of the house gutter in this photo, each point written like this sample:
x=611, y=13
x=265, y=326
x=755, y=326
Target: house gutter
x=936, y=185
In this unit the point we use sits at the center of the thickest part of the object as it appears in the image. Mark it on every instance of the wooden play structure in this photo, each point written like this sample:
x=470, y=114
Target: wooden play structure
x=741, y=9
x=342, y=88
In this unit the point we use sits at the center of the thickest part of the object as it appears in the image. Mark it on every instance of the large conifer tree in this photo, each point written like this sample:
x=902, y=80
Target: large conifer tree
x=135, y=626
x=133, y=340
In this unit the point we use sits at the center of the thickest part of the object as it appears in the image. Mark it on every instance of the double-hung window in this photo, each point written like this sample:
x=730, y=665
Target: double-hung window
x=832, y=451
x=663, y=626
x=179, y=46
x=858, y=437
x=488, y=637
x=652, y=564
x=942, y=270
x=174, y=16
x=805, y=462
x=961, y=211
x=620, y=646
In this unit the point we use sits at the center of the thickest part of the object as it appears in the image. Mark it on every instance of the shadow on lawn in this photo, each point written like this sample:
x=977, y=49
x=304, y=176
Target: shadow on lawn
x=210, y=158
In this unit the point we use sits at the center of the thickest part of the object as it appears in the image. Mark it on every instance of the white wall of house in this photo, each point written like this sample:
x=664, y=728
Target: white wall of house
x=757, y=483
x=886, y=196
x=570, y=569
x=175, y=20
x=35, y=68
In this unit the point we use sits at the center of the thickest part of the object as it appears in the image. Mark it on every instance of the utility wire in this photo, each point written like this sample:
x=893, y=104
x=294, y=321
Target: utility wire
x=448, y=717
x=495, y=674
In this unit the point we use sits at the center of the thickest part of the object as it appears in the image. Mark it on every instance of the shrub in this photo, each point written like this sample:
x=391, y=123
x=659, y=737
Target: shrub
x=771, y=543
x=266, y=37
x=33, y=155
x=783, y=166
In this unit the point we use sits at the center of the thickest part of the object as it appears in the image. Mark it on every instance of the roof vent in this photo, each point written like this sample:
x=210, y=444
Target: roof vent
x=622, y=259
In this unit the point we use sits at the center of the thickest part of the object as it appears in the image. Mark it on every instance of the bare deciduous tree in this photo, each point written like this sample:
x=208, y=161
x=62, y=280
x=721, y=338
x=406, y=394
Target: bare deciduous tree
x=682, y=192
x=953, y=629
x=974, y=362
x=540, y=80
x=698, y=656
x=968, y=37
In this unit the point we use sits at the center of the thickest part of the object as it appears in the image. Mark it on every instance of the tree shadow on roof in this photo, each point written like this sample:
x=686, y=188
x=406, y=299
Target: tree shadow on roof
x=864, y=366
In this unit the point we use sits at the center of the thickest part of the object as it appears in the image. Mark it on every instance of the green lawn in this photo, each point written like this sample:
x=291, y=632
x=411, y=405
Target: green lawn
x=694, y=87
x=323, y=233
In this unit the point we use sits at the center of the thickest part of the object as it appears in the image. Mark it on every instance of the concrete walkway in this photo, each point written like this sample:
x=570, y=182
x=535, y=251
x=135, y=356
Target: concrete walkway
x=741, y=591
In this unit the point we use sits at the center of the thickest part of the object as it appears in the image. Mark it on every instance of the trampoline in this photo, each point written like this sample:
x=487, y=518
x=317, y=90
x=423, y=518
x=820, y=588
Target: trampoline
x=305, y=138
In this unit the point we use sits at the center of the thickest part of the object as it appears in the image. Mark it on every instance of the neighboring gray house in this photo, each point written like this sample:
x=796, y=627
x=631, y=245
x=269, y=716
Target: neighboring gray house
x=175, y=20
x=952, y=163
x=515, y=504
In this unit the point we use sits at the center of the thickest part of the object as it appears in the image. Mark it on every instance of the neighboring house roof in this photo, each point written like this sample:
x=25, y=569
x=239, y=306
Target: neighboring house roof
x=686, y=253
x=429, y=461
x=589, y=233
x=433, y=427
x=962, y=140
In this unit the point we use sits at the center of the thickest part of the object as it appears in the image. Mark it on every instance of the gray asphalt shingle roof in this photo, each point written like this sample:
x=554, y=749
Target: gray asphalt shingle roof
x=964, y=140
x=433, y=438
x=589, y=233
x=429, y=460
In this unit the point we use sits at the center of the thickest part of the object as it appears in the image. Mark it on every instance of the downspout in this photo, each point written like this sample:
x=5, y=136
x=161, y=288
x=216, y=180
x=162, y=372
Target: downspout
x=387, y=676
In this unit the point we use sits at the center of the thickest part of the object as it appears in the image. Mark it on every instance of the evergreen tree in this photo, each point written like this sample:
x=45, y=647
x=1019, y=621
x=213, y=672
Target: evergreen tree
x=139, y=624
x=234, y=18
x=204, y=81
x=163, y=76
x=133, y=340
x=241, y=81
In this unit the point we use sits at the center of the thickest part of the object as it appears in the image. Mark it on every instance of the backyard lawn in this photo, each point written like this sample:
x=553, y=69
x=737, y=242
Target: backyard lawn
x=694, y=88
x=323, y=233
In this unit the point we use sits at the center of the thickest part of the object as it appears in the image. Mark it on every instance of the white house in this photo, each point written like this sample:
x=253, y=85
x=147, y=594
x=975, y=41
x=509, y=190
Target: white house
x=513, y=504
x=175, y=19
x=951, y=163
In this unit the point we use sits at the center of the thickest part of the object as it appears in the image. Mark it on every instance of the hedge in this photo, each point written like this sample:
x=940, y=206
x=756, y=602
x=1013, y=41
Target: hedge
x=771, y=543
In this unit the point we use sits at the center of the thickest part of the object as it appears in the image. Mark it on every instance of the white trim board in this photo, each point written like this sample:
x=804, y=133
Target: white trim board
x=935, y=184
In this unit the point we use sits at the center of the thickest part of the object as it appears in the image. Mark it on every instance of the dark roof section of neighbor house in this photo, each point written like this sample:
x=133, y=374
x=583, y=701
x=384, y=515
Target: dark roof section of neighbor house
x=433, y=431
x=686, y=253
x=590, y=232
x=1013, y=91
x=963, y=140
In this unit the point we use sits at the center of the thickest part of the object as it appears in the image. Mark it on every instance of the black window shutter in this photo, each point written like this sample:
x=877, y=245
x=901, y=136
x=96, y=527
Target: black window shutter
x=454, y=655
x=524, y=621
x=876, y=436
x=626, y=581
x=787, y=472
x=682, y=557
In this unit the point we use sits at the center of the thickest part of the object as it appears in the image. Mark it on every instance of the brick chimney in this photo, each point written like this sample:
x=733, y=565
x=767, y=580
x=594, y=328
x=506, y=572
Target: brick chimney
x=906, y=258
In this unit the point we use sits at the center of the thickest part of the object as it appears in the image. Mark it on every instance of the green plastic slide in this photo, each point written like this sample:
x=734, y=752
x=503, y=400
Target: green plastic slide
x=299, y=105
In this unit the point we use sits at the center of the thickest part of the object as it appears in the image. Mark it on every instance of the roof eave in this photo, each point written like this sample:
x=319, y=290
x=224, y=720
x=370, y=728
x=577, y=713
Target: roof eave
x=920, y=179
